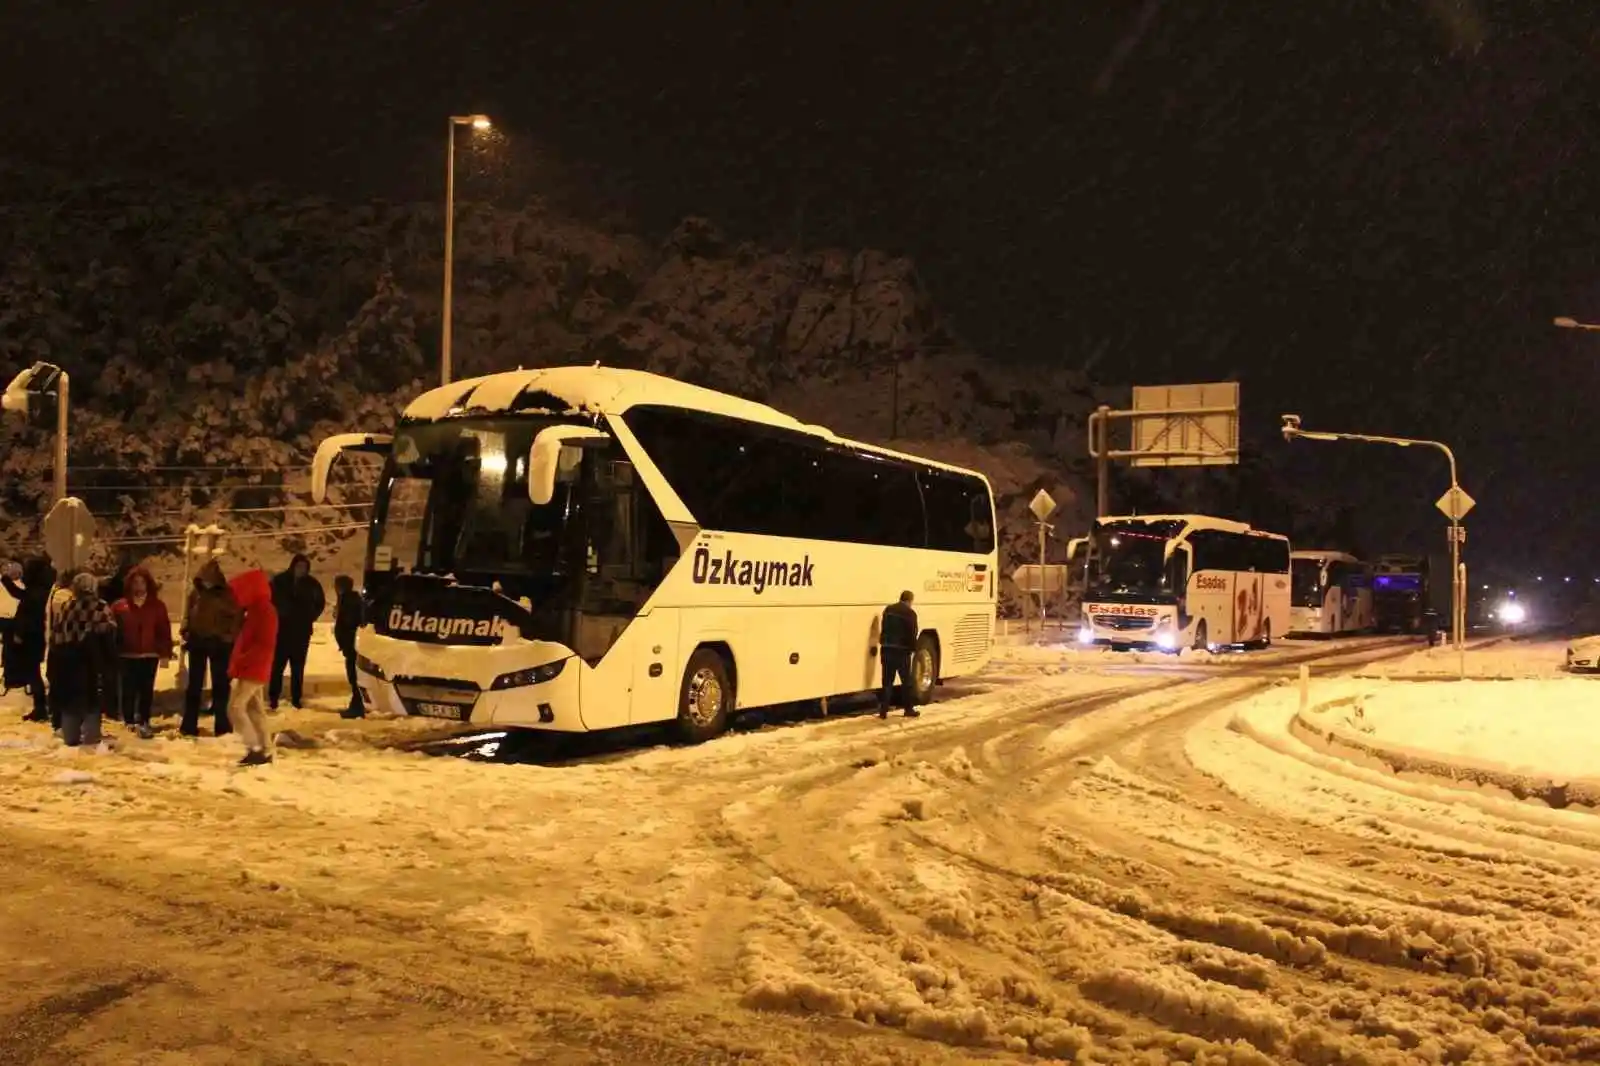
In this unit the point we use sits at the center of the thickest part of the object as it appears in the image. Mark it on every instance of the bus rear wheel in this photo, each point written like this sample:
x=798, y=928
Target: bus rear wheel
x=1265, y=640
x=705, y=698
x=924, y=670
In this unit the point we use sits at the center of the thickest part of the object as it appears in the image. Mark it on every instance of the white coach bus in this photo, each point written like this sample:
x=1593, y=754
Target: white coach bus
x=1184, y=581
x=1330, y=593
x=582, y=548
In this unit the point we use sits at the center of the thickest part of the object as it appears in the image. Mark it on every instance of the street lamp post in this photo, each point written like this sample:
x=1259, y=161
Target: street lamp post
x=477, y=122
x=43, y=382
x=1458, y=612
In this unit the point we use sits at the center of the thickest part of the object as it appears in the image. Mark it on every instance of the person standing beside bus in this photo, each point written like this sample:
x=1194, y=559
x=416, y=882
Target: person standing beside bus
x=897, y=641
x=348, y=610
x=299, y=601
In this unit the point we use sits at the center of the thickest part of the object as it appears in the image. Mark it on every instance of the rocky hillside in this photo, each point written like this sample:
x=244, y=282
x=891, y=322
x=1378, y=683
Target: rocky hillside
x=214, y=339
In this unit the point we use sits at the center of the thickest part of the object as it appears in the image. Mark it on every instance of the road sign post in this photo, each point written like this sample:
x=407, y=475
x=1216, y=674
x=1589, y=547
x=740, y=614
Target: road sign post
x=69, y=531
x=1173, y=425
x=1043, y=505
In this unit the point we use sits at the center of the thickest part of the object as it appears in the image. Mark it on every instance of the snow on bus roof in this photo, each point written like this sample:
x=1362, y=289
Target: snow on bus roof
x=611, y=391
x=1200, y=521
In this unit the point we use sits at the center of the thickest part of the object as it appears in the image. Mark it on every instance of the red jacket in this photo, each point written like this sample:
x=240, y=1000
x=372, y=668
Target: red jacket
x=258, y=637
x=143, y=629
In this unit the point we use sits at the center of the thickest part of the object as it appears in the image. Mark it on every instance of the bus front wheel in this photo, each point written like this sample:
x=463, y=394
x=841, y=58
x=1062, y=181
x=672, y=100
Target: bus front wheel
x=705, y=699
x=924, y=670
x=1201, y=642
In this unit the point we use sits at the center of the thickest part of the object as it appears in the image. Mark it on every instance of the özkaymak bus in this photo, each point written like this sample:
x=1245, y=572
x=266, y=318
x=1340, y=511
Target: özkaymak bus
x=583, y=548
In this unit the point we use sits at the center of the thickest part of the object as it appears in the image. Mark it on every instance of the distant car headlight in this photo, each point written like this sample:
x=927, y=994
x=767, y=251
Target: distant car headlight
x=1512, y=614
x=534, y=675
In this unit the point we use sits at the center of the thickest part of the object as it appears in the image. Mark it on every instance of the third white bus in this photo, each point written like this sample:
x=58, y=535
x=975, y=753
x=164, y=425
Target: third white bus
x=1331, y=593
x=1184, y=581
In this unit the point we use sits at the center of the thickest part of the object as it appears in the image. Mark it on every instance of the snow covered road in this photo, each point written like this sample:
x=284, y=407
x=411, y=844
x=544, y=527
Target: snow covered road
x=1077, y=864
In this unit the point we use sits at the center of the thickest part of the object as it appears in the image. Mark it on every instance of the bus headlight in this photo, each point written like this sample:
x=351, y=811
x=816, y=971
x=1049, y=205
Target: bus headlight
x=367, y=666
x=1085, y=635
x=1513, y=613
x=534, y=675
x=1166, y=640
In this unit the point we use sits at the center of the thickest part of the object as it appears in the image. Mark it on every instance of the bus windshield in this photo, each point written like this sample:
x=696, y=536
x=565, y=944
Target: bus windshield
x=1130, y=559
x=454, y=500
x=1305, y=583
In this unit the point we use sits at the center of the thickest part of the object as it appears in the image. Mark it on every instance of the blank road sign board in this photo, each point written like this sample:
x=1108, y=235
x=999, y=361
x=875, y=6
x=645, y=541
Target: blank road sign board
x=1456, y=503
x=1162, y=437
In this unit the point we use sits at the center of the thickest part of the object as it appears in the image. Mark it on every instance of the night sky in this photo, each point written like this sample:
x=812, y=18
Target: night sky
x=1369, y=211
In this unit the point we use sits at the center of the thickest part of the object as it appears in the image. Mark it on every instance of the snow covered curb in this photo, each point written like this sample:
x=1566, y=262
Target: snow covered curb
x=1317, y=728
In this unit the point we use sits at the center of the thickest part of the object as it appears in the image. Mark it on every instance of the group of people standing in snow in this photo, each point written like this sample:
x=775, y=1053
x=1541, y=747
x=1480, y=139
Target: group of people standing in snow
x=86, y=649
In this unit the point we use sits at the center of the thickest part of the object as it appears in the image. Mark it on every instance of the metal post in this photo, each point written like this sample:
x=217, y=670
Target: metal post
x=1461, y=620
x=449, y=252
x=1099, y=426
x=62, y=404
x=1042, y=528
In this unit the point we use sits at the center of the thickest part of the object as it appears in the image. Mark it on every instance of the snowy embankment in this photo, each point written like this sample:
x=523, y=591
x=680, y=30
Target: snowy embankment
x=1493, y=659
x=1535, y=739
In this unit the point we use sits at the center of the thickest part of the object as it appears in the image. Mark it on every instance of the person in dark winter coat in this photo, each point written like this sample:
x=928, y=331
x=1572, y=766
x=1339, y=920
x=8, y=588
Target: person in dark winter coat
x=897, y=641
x=83, y=659
x=253, y=652
x=211, y=620
x=144, y=644
x=111, y=693
x=347, y=620
x=12, y=574
x=299, y=600
x=26, y=641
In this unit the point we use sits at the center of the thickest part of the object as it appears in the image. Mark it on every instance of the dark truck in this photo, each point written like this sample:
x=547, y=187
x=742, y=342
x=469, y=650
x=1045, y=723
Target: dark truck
x=1403, y=594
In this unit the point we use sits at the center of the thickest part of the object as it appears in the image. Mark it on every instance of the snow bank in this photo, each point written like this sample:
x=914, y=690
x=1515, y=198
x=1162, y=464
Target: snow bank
x=1532, y=738
x=1494, y=660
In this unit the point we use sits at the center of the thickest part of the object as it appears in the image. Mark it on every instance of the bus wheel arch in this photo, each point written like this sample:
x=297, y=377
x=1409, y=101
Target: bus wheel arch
x=925, y=660
x=1201, y=636
x=707, y=694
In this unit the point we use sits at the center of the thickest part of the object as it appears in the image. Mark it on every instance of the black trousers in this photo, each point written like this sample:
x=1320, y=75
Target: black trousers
x=896, y=664
x=138, y=690
x=356, y=706
x=291, y=652
x=32, y=678
x=207, y=657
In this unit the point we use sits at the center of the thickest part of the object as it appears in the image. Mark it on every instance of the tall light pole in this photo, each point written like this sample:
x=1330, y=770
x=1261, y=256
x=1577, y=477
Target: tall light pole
x=477, y=122
x=1458, y=606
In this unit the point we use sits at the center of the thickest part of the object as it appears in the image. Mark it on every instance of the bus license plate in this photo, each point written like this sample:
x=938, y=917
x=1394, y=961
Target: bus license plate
x=456, y=711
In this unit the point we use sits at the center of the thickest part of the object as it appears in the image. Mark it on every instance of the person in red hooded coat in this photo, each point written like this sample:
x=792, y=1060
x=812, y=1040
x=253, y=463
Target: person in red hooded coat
x=251, y=664
x=144, y=644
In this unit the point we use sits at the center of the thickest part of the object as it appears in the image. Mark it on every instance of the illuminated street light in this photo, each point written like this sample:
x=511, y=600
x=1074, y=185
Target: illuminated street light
x=1292, y=431
x=477, y=123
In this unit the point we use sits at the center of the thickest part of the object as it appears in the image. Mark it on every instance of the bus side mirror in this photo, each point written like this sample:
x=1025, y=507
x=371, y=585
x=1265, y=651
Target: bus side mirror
x=554, y=458
x=1074, y=546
